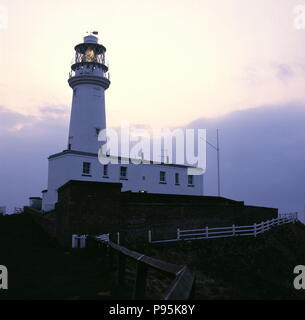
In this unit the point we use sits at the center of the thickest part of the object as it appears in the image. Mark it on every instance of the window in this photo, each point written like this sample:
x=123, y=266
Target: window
x=162, y=177
x=191, y=181
x=105, y=171
x=86, y=168
x=177, y=180
x=123, y=173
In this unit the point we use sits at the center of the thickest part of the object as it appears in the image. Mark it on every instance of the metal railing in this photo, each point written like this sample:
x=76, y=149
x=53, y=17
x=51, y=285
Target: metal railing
x=103, y=74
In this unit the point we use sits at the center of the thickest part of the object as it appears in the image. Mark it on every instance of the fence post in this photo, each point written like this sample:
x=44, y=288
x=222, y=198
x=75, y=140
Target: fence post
x=140, y=283
x=110, y=260
x=121, y=269
x=233, y=229
x=270, y=224
x=178, y=234
x=207, y=232
x=83, y=241
x=74, y=241
x=254, y=229
x=118, y=238
x=149, y=236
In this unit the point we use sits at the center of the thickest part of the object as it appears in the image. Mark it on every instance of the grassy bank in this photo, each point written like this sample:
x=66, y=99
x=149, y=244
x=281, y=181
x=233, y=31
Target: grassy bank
x=233, y=268
x=39, y=268
x=243, y=268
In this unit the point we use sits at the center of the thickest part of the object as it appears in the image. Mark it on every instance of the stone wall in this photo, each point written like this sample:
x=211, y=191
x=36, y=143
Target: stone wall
x=87, y=208
x=97, y=208
x=46, y=221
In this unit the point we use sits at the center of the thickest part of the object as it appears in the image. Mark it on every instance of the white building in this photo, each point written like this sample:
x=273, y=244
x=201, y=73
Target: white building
x=89, y=79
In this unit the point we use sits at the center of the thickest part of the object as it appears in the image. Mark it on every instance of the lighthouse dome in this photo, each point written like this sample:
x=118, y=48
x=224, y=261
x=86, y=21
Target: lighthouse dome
x=91, y=39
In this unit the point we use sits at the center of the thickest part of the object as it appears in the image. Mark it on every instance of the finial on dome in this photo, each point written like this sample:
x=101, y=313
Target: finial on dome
x=92, y=37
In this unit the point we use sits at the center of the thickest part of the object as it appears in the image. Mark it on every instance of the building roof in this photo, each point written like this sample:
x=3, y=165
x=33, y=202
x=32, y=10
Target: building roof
x=119, y=158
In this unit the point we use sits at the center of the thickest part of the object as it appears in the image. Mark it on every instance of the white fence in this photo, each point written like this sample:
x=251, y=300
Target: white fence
x=79, y=240
x=232, y=231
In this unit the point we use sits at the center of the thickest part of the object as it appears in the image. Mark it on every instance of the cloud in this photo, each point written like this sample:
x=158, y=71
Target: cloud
x=55, y=111
x=262, y=155
x=25, y=144
x=259, y=74
x=283, y=71
x=13, y=121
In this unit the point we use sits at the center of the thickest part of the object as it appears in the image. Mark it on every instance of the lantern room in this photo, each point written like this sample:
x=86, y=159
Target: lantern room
x=89, y=54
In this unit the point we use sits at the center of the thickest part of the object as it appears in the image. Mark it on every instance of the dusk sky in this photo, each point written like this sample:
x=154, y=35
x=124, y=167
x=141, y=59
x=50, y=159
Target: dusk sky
x=234, y=64
x=187, y=58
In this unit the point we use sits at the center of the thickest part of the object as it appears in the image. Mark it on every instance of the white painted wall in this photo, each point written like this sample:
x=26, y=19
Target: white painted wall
x=89, y=82
x=68, y=166
x=87, y=115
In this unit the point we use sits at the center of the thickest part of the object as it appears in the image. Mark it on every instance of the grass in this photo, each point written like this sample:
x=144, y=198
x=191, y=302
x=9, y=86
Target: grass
x=243, y=268
x=38, y=268
x=232, y=268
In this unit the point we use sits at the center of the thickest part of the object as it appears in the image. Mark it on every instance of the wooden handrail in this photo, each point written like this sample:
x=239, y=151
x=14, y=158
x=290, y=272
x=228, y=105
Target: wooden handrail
x=182, y=288
x=151, y=262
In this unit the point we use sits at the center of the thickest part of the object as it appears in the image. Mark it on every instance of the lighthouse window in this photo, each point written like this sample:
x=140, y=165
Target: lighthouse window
x=86, y=167
x=190, y=181
x=106, y=171
x=162, y=177
x=177, y=180
x=123, y=173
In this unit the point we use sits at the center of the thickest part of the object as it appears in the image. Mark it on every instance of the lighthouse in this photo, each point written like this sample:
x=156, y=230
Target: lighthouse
x=89, y=79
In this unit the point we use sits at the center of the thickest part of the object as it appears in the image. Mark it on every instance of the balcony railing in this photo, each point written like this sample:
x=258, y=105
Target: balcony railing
x=102, y=74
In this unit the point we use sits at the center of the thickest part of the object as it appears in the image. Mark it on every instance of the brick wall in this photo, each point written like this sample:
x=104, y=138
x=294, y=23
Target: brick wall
x=96, y=208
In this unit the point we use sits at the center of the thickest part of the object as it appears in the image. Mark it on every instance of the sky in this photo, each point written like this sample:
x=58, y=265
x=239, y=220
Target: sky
x=234, y=64
x=187, y=58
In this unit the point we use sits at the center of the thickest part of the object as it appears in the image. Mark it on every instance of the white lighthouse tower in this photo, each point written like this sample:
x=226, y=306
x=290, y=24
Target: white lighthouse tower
x=89, y=79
